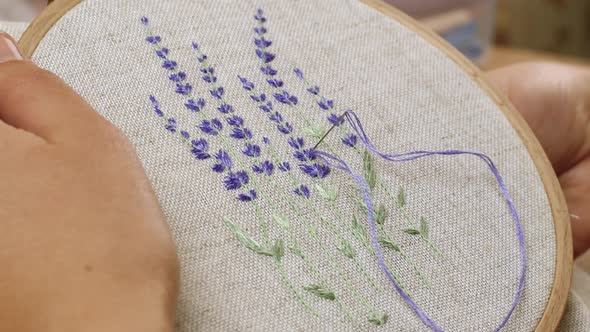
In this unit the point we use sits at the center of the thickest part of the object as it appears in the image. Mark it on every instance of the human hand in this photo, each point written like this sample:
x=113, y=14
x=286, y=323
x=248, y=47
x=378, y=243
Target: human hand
x=554, y=99
x=84, y=245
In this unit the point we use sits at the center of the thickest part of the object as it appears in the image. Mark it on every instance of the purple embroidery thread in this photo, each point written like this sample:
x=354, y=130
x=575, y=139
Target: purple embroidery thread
x=338, y=163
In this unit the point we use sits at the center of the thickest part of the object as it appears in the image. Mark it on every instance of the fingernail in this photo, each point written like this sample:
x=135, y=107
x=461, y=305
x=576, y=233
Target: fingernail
x=8, y=49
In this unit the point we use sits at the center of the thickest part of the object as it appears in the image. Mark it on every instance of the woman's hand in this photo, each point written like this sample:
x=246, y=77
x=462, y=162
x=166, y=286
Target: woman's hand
x=555, y=101
x=83, y=243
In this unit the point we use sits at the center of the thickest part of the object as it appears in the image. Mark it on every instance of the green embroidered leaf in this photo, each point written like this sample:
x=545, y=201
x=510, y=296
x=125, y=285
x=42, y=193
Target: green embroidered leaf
x=278, y=250
x=314, y=131
x=346, y=249
x=358, y=231
x=378, y=320
x=313, y=231
x=411, y=231
x=380, y=215
x=296, y=250
x=362, y=207
x=401, y=198
x=423, y=227
x=244, y=239
x=320, y=291
x=370, y=175
x=281, y=221
x=385, y=242
x=326, y=193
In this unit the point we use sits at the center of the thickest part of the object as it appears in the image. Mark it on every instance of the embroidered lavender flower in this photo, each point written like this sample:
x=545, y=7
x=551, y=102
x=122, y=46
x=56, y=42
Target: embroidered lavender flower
x=200, y=149
x=183, y=89
x=335, y=119
x=153, y=39
x=223, y=162
x=260, y=30
x=235, y=180
x=260, y=16
x=284, y=166
x=285, y=98
x=350, y=140
x=268, y=70
x=266, y=140
x=144, y=20
x=326, y=104
x=265, y=167
x=171, y=126
x=185, y=134
x=275, y=83
x=314, y=90
x=251, y=150
x=169, y=64
x=262, y=42
x=225, y=108
x=248, y=197
x=162, y=53
x=299, y=73
x=178, y=77
x=315, y=170
x=303, y=191
x=212, y=127
x=156, y=105
x=218, y=92
x=258, y=98
x=195, y=106
x=246, y=84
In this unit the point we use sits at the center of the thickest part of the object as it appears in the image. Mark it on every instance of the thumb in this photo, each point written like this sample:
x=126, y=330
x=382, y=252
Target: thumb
x=37, y=101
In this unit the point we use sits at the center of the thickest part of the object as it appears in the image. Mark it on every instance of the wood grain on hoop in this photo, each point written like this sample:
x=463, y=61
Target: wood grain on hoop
x=564, y=256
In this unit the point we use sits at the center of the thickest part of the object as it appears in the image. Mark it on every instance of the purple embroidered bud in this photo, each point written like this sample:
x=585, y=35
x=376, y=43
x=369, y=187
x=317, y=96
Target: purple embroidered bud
x=285, y=98
x=285, y=128
x=260, y=16
x=314, y=90
x=223, y=161
x=200, y=148
x=303, y=191
x=296, y=143
x=217, y=93
x=171, y=126
x=284, y=166
x=185, y=134
x=156, y=105
x=265, y=167
x=153, y=39
x=170, y=65
x=335, y=119
x=267, y=107
x=247, y=197
x=350, y=140
x=225, y=108
x=183, y=89
x=212, y=127
x=315, y=170
x=262, y=42
x=266, y=140
x=158, y=112
x=305, y=155
x=299, y=73
x=275, y=83
x=208, y=70
x=265, y=56
x=268, y=70
x=195, y=106
x=252, y=150
x=178, y=77
x=247, y=85
x=202, y=58
x=235, y=121
x=210, y=78
x=276, y=117
x=235, y=181
x=259, y=99
x=260, y=30
x=195, y=46
x=162, y=53
x=326, y=103
x=144, y=20
x=240, y=133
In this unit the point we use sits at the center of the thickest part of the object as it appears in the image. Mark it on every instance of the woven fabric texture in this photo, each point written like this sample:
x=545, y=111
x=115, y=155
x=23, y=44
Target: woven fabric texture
x=15, y=29
x=276, y=259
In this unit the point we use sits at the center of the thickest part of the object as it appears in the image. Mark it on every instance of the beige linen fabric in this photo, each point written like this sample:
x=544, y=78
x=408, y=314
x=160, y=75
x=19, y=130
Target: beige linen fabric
x=409, y=96
x=15, y=29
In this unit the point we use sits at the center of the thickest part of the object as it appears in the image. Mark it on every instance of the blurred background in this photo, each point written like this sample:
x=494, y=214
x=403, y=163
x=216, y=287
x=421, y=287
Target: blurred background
x=491, y=33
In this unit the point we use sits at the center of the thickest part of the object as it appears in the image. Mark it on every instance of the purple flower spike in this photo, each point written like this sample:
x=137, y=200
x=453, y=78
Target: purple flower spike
x=286, y=129
x=178, y=77
x=200, y=148
x=248, y=197
x=171, y=126
x=285, y=98
x=170, y=65
x=235, y=121
x=153, y=39
x=275, y=83
x=260, y=31
x=259, y=99
x=185, y=134
x=350, y=140
x=262, y=42
x=296, y=143
x=265, y=56
x=183, y=89
x=303, y=191
x=267, y=107
x=246, y=84
x=163, y=53
x=202, y=58
x=326, y=103
x=225, y=108
x=335, y=119
x=315, y=170
x=195, y=106
x=314, y=90
x=223, y=161
x=284, y=166
x=240, y=133
x=252, y=150
x=217, y=93
x=268, y=70
x=299, y=73
x=195, y=46
x=144, y=20
x=212, y=127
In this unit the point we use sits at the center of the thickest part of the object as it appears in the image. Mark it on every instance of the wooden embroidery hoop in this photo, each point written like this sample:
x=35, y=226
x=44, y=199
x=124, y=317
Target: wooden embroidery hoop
x=564, y=257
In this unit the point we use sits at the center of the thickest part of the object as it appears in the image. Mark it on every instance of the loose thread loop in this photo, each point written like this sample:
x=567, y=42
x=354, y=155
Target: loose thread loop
x=340, y=164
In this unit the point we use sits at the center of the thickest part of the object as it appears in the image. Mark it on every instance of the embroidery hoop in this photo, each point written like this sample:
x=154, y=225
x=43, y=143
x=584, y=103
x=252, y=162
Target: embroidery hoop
x=556, y=303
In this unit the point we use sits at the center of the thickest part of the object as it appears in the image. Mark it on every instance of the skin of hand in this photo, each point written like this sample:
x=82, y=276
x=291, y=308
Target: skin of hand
x=554, y=99
x=83, y=242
